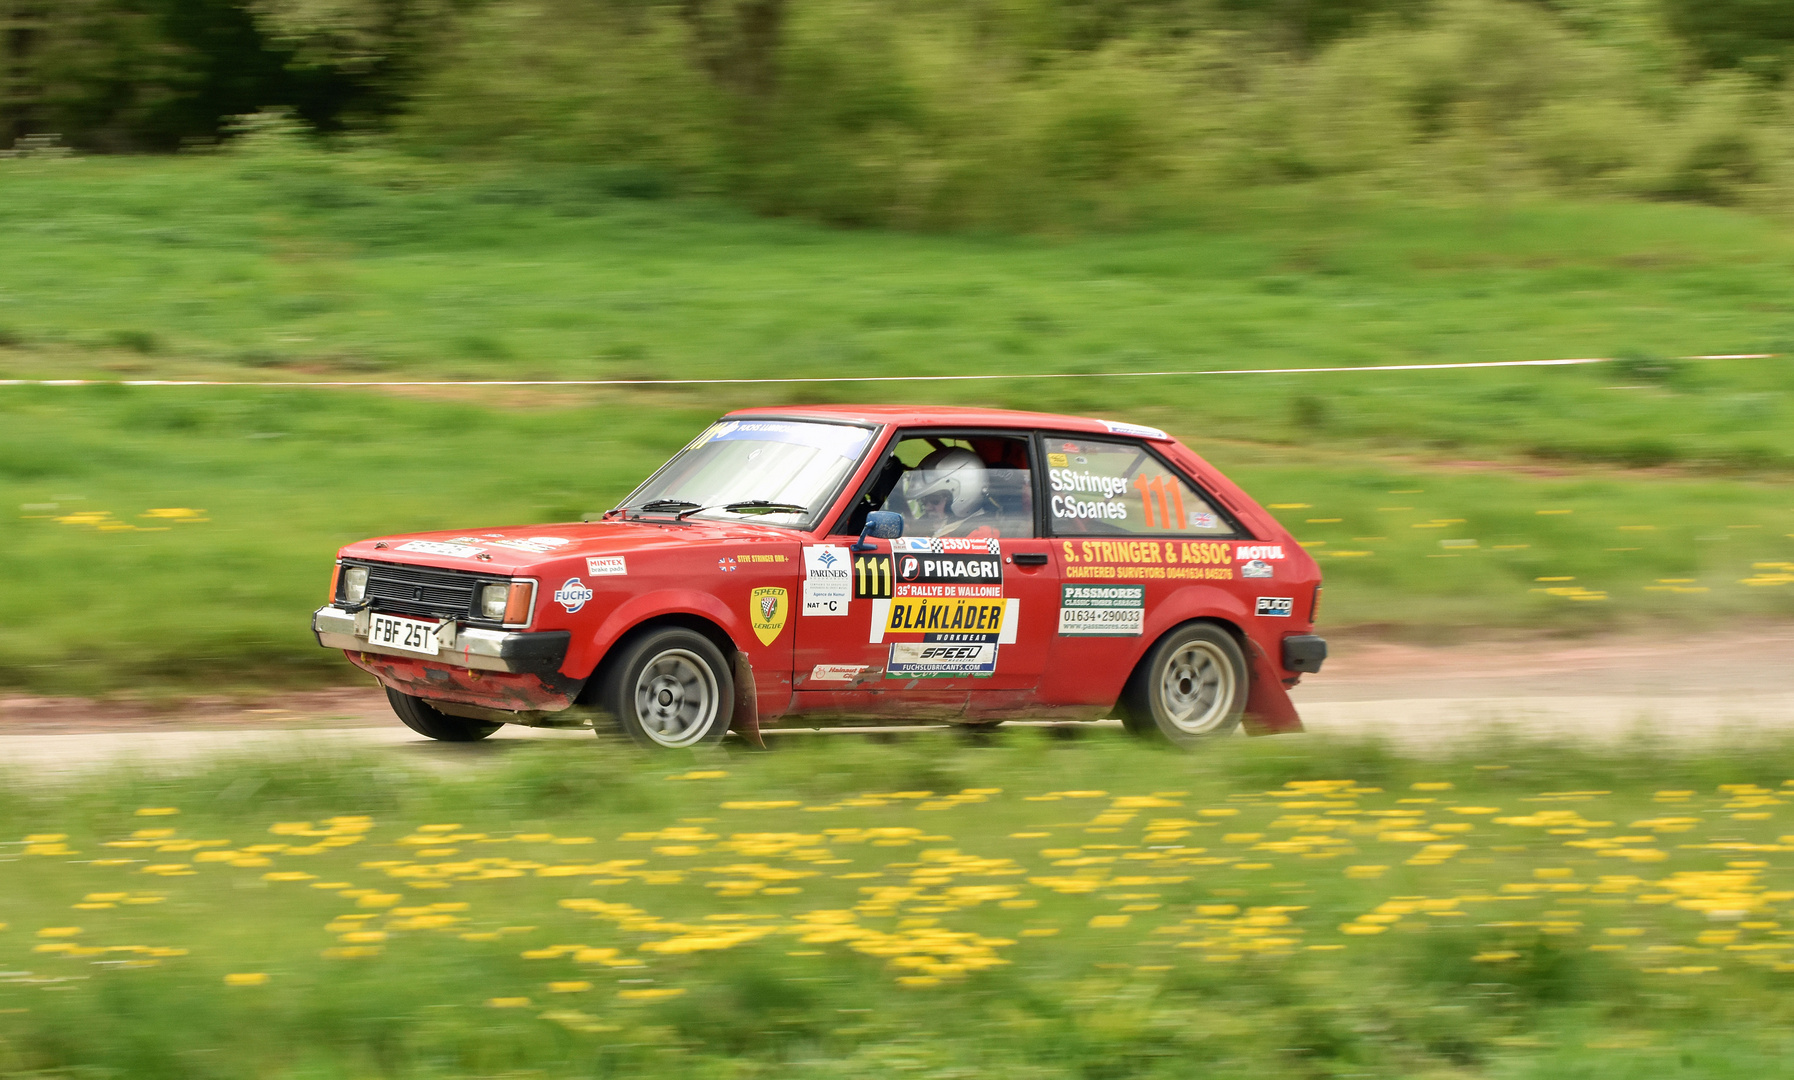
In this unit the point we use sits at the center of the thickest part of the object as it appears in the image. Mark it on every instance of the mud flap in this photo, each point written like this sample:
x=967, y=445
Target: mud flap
x=1269, y=711
x=746, y=721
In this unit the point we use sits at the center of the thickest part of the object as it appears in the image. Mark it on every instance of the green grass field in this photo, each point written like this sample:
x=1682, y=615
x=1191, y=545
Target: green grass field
x=1565, y=499
x=1016, y=907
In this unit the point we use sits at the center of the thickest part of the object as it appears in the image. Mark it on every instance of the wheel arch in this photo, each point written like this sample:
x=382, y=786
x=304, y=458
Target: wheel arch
x=685, y=620
x=1269, y=710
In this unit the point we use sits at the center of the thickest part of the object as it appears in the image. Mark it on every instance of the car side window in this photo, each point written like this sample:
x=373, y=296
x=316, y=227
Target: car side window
x=1102, y=488
x=953, y=485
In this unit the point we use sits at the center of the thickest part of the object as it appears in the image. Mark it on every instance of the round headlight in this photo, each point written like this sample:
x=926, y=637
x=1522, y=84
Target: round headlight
x=492, y=601
x=355, y=584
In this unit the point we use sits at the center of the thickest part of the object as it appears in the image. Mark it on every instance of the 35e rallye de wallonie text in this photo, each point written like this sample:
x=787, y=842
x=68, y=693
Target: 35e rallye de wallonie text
x=802, y=564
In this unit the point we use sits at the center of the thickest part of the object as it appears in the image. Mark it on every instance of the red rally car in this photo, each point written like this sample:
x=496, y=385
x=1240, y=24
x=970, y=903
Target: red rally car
x=796, y=564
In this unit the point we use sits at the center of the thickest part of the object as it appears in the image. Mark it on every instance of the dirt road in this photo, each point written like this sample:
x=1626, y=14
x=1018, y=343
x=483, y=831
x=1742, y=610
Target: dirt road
x=1702, y=687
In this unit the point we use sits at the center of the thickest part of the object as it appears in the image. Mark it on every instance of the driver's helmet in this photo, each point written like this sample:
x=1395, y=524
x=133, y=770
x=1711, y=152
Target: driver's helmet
x=957, y=472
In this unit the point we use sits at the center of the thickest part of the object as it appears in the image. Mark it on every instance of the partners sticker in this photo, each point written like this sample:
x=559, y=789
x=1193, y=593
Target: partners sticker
x=1278, y=607
x=606, y=566
x=437, y=547
x=573, y=594
x=930, y=660
x=767, y=608
x=1102, y=610
x=828, y=580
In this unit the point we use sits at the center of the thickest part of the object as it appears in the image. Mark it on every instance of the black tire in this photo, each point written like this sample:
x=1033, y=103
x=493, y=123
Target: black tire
x=427, y=720
x=1190, y=687
x=668, y=689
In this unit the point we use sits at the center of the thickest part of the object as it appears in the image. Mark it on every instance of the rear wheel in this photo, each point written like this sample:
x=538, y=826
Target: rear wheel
x=670, y=688
x=425, y=719
x=1190, y=687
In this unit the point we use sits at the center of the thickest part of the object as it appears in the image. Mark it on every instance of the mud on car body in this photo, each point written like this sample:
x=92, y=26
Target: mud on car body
x=904, y=563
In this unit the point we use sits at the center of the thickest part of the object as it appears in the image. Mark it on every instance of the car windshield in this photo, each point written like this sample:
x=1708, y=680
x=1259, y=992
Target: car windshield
x=776, y=471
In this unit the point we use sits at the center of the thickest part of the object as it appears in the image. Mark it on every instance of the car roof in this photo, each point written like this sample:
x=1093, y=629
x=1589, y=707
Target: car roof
x=917, y=415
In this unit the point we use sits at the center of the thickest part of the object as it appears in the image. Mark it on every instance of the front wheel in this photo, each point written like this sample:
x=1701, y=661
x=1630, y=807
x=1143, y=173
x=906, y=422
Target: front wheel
x=1190, y=687
x=425, y=719
x=670, y=688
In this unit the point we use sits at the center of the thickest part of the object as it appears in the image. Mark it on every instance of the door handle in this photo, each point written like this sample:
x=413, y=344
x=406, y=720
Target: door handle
x=1030, y=558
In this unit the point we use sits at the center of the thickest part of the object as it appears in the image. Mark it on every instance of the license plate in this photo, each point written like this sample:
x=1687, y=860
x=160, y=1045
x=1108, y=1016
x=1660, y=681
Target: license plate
x=411, y=635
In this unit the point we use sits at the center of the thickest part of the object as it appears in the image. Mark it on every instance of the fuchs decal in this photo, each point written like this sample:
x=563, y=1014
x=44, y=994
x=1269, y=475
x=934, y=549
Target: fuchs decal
x=1278, y=607
x=767, y=608
x=572, y=594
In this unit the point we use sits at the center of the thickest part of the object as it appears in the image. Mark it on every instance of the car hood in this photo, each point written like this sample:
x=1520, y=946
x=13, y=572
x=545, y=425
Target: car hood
x=520, y=548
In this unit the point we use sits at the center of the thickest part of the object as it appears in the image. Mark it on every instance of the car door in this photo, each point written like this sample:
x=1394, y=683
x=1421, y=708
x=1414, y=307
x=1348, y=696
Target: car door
x=1128, y=530
x=960, y=605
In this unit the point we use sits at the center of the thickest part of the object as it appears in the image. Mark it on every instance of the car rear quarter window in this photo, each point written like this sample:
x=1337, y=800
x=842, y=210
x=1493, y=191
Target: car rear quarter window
x=1103, y=488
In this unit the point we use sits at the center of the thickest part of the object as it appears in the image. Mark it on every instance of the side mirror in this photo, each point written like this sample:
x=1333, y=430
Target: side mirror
x=884, y=524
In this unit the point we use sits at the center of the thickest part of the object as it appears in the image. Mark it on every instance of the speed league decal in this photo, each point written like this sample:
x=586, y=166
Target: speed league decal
x=828, y=580
x=1102, y=610
x=1280, y=607
x=767, y=609
x=606, y=566
x=573, y=594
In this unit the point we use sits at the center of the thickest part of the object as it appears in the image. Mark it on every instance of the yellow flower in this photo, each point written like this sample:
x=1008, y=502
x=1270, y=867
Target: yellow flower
x=573, y=986
x=1494, y=957
x=246, y=978
x=59, y=931
x=157, y=811
x=508, y=1002
x=650, y=994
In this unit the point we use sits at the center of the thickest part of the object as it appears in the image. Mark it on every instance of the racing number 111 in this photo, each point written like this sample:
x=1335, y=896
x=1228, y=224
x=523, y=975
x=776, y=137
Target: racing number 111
x=872, y=576
x=1166, y=490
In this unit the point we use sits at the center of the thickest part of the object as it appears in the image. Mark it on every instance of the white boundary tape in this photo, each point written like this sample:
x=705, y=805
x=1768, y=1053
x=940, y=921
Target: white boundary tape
x=858, y=378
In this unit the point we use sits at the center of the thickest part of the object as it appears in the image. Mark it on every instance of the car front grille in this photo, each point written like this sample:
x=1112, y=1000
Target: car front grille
x=421, y=591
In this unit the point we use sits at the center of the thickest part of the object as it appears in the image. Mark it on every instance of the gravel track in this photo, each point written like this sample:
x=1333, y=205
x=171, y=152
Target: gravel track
x=1716, y=686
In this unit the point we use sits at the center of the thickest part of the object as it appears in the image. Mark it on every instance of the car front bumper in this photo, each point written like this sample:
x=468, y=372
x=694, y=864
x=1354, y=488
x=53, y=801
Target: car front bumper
x=538, y=653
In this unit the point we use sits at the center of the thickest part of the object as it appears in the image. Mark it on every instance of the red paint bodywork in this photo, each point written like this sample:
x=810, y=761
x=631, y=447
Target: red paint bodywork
x=673, y=574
